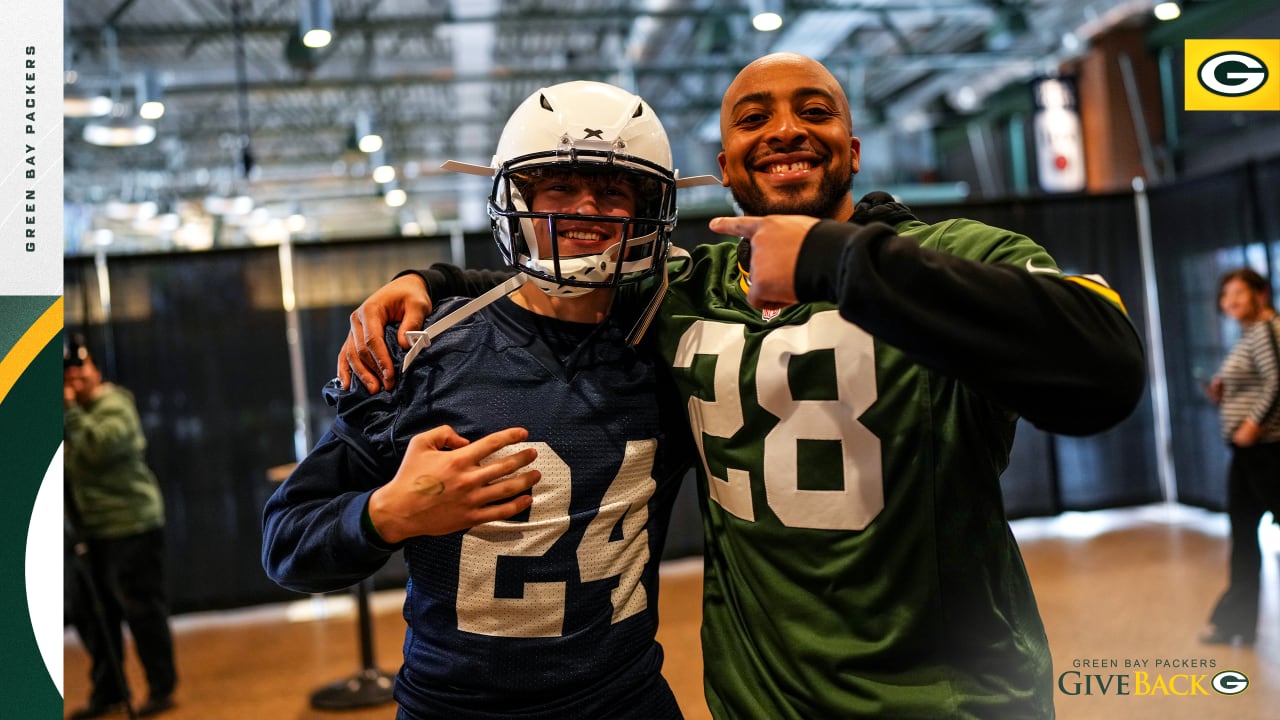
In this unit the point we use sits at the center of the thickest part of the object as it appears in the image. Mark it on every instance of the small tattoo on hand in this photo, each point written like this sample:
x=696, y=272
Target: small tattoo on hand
x=424, y=485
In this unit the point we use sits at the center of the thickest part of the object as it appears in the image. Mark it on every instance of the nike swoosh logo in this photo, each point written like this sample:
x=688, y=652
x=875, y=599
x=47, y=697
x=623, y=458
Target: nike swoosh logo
x=1033, y=269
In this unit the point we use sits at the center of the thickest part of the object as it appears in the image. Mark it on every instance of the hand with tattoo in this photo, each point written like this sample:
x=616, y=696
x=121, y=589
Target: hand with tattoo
x=444, y=485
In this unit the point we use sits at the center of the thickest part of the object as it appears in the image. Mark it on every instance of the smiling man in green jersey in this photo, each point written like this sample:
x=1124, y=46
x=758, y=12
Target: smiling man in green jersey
x=853, y=377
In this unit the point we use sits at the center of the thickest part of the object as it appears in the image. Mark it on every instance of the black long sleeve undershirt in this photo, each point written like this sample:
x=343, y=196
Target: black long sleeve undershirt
x=1050, y=349
x=444, y=280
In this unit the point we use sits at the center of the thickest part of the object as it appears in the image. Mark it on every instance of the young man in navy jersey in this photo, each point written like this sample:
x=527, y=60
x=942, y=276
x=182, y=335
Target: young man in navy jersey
x=523, y=460
x=853, y=378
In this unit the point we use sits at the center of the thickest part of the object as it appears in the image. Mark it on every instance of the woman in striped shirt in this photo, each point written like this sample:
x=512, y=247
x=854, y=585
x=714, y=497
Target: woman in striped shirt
x=1247, y=391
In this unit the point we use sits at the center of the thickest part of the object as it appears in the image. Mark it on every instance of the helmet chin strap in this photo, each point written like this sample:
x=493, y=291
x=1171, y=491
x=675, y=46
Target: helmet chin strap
x=589, y=268
x=585, y=267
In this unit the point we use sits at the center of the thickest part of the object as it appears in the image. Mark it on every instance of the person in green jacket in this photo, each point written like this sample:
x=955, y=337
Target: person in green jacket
x=116, y=514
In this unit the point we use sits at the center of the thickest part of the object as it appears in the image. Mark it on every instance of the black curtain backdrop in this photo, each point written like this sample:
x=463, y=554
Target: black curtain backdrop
x=200, y=339
x=1047, y=474
x=1203, y=228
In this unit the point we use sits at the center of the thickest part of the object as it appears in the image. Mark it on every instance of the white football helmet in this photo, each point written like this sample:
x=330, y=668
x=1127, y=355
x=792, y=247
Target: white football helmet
x=588, y=128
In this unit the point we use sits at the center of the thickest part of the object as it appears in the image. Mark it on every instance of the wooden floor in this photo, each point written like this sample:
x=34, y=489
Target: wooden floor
x=1113, y=586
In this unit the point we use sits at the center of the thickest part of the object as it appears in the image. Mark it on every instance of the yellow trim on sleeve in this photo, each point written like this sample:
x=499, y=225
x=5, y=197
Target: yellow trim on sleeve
x=1098, y=288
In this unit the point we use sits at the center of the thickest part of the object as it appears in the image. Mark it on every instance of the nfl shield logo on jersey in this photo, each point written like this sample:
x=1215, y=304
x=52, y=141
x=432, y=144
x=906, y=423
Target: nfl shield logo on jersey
x=768, y=315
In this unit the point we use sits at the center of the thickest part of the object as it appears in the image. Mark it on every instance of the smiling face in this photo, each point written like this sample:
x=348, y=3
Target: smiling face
x=1241, y=302
x=788, y=139
x=579, y=193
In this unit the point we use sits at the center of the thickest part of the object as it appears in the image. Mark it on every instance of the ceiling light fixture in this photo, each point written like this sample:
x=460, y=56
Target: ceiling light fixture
x=299, y=56
x=151, y=110
x=228, y=205
x=119, y=129
x=119, y=132
x=409, y=225
x=765, y=16
x=315, y=22
x=150, y=95
x=102, y=237
x=84, y=107
x=396, y=197
x=78, y=102
x=384, y=174
x=366, y=139
x=1167, y=10
x=964, y=99
x=767, y=21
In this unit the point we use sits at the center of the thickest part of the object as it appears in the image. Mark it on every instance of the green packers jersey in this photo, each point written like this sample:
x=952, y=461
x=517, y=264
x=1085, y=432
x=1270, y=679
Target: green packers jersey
x=858, y=561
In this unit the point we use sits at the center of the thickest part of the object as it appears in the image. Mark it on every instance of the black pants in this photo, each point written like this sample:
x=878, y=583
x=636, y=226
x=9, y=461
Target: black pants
x=128, y=575
x=1253, y=487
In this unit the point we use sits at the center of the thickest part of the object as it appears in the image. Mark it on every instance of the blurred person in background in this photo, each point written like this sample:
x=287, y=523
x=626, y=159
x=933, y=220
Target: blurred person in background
x=1246, y=390
x=116, y=519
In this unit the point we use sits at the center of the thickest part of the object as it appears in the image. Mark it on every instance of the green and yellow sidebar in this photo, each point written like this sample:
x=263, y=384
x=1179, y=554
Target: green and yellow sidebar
x=32, y=245
x=31, y=542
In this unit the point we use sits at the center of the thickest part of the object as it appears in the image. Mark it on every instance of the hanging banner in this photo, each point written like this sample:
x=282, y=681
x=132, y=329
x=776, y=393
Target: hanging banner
x=1058, y=138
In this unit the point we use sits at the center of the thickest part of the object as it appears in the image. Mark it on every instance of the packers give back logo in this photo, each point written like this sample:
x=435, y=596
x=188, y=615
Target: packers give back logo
x=1232, y=74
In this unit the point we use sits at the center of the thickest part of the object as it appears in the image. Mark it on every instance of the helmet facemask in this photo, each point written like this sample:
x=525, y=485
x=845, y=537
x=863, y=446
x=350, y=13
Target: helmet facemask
x=638, y=243
x=584, y=130
x=588, y=130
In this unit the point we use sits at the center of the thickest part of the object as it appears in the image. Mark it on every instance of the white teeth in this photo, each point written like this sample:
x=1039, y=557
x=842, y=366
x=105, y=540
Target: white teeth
x=582, y=235
x=787, y=167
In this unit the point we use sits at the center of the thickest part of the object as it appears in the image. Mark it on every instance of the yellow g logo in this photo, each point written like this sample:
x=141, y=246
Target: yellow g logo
x=1232, y=74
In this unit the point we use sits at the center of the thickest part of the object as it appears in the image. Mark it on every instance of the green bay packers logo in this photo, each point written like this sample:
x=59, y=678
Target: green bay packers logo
x=1232, y=74
x=1230, y=682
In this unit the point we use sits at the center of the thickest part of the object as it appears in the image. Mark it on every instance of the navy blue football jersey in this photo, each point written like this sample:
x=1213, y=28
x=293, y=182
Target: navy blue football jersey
x=553, y=612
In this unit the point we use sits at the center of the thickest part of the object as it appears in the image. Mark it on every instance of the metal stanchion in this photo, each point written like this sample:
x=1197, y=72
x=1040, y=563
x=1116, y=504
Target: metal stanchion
x=368, y=687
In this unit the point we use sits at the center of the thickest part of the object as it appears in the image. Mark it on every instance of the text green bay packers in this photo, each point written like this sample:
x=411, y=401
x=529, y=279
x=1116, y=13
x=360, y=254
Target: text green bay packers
x=29, y=157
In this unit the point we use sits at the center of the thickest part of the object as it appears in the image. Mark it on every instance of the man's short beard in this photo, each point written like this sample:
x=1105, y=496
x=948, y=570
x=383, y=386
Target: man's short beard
x=831, y=193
